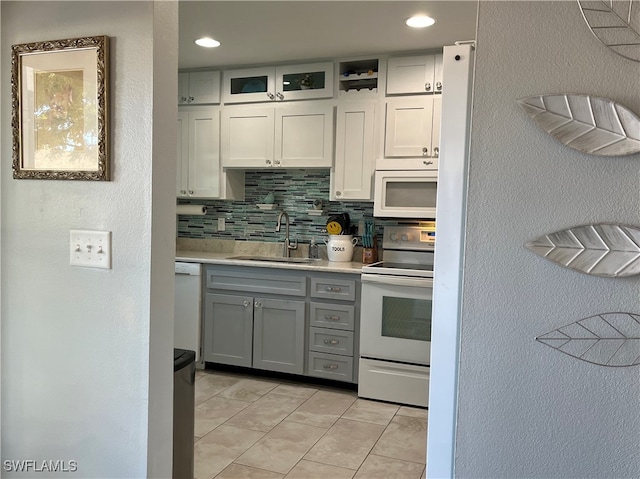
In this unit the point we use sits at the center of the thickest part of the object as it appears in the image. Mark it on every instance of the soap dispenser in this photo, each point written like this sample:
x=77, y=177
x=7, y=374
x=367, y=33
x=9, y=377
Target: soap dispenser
x=313, y=249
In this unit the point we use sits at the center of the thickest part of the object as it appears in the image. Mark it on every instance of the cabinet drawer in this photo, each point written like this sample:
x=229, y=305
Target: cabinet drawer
x=333, y=289
x=331, y=341
x=331, y=366
x=336, y=316
x=256, y=280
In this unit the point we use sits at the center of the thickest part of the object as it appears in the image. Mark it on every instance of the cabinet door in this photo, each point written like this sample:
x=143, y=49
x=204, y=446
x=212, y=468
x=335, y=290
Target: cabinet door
x=249, y=85
x=437, y=77
x=204, y=87
x=352, y=173
x=182, y=158
x=278, y=335
x=183, y=88
x=413, y=74
x=204, y=153
x=304, y=136
x=247, y=137
x=408, y=130
x=228, y=329
x=435, y=129
x=303, y=82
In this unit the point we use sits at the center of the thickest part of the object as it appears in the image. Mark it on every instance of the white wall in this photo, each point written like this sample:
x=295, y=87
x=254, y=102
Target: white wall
x=77, y=383
x=526, y=410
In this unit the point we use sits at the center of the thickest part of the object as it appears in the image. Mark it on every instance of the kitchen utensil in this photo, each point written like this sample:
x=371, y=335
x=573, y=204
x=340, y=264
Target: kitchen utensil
x=338, y=224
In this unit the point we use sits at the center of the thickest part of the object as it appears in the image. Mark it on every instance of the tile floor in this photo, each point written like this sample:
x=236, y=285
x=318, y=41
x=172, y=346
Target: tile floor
x=262, y=428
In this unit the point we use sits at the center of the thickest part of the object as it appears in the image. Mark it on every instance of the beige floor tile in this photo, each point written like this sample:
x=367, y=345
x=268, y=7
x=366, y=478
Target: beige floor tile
x=249, y=389
x=371, y=411
x=346, y=444
x=282, y=447
x=378, y=467
x=412, y=412
x=266, y=412
x=322, y=409
x=308, y=470
x=405, y=438
x=238, y=471
x=219, y=448
x=210, y=385
x=214, y=411
x=294, y=391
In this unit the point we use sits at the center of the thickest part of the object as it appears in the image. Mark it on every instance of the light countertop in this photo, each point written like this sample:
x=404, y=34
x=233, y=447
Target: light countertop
x=206, y=257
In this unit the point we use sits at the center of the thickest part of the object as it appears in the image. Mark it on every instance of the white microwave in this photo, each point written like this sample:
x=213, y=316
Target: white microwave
x=405, y=193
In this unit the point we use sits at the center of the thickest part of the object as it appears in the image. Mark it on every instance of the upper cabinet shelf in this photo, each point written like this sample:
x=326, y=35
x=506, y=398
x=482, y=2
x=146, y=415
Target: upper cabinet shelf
x=358, y=76
x=282, y=83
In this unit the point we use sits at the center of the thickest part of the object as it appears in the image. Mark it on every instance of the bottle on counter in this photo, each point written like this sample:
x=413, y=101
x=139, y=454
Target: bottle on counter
x=313, y=249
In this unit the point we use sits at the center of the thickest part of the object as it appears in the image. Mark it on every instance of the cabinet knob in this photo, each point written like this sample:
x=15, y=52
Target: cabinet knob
x=270, y=95
x=425, y=151
x=338, y=193
x=331, y=341
x=280, y=96
x=183, y=99
x=190, y=192
x=183, y=192
x=439, y=86
x=268, y=162
x=246, y=303
x=191, y=99
x=427, y=163
x=436, y=152
x=257, y=304
x=427, y=86
x=276, y=162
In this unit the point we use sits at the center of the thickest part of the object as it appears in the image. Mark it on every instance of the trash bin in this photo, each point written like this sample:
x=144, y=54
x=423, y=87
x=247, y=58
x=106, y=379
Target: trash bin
x=184, y=376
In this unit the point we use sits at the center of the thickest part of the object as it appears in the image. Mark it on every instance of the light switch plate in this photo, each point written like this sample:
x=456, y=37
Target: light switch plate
x=221, y=224
x=90, y=248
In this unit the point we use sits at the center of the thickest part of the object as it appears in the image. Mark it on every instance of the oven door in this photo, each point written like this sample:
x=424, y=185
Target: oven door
x=395, y=319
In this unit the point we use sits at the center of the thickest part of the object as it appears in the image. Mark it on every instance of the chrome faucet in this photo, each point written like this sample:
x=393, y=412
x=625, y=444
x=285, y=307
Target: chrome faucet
x=286, y=252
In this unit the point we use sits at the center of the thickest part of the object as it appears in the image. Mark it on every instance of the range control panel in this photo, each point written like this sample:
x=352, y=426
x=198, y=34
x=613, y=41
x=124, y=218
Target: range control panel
x=420, y=237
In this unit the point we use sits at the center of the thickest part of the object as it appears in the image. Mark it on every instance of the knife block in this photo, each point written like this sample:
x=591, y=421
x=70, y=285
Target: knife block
x=370, y=255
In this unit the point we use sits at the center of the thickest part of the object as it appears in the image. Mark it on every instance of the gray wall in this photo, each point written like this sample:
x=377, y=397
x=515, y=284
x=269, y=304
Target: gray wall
x=526, y=410
x=87, y=354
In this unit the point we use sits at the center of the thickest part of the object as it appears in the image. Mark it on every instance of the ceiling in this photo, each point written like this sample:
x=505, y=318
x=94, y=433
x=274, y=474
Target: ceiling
x=267, y=32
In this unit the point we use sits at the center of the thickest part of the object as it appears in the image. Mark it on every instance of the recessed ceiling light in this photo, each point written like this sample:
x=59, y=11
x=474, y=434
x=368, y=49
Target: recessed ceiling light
x=420, y=21
x=207, y=42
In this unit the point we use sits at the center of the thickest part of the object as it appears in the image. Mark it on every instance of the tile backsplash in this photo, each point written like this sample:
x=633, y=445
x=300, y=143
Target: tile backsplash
x=294, y=191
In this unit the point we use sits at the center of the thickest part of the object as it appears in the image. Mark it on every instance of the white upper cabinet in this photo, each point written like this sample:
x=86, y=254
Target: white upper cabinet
x=352, y=173
x=409, y=134
x=414, y=74
x=283, y=83
x=198, y=88
x=299, y=136
x=199, y=174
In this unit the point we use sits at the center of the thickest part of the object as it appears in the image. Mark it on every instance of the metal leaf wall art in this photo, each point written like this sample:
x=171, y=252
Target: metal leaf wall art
x=616, y=24
x=608, y=339
x=597, y=126
x=607, y=250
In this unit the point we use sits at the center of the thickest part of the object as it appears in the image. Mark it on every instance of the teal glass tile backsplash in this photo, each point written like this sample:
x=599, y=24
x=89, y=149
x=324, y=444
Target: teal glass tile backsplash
x=294, y=192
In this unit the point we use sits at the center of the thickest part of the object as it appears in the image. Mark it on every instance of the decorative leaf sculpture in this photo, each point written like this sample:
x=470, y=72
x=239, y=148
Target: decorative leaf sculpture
x=607, y=250
x=597, y=126
x=616, y=24
x=608, y=339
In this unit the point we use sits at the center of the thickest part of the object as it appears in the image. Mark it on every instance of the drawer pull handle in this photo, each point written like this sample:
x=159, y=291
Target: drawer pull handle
x=330, y=366
x=334, y=289
x=332, y=318
x=331, y=341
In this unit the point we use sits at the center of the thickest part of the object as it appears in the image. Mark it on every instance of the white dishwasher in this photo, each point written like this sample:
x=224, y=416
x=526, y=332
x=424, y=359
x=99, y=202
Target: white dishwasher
x=187, y=321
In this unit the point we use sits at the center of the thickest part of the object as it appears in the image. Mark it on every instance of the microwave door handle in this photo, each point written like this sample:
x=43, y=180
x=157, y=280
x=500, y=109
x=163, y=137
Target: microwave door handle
x=397, y=281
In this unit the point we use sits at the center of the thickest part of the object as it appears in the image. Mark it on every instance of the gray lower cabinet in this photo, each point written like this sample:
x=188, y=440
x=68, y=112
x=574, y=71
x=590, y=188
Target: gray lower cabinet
x=291, y=321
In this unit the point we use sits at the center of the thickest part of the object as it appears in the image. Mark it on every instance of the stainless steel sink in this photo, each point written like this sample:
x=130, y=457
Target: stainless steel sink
x=275, y=259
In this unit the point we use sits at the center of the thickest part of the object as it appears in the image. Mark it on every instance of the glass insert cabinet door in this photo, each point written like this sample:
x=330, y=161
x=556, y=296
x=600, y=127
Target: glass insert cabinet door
x=290, y=82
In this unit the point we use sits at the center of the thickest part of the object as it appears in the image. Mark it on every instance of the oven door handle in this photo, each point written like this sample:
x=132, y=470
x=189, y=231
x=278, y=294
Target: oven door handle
x=397, y=280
